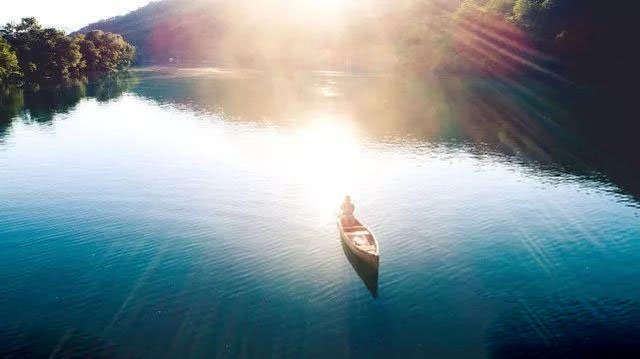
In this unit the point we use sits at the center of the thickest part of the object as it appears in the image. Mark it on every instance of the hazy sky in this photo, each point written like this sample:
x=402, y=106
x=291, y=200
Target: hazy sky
x=68, y=15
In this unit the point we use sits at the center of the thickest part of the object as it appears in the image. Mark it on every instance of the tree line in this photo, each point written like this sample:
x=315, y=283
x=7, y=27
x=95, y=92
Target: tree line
x=585, y=41
x=588, y=41
x=32, y=54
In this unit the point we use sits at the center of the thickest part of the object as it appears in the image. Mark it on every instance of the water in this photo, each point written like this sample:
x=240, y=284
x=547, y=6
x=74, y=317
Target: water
x=193, y=215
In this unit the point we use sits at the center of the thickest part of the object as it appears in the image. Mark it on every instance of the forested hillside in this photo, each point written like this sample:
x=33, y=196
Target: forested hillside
x=166, y=30
x=576, y=39
x=32, y=54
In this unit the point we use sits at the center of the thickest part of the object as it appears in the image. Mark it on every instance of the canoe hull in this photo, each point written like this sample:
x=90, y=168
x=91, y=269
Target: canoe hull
x=365, y=256
x=366, y=270
x=371, y=258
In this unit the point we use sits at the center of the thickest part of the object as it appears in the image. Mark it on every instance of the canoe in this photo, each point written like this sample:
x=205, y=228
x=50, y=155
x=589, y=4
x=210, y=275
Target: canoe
x=360, y=241
x=366, y=270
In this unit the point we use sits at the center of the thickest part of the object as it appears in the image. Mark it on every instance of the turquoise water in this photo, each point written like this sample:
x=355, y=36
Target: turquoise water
x=188, y=215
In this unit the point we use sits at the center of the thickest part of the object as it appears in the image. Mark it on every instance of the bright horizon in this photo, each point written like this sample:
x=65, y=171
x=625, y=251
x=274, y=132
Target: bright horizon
x=67, y=15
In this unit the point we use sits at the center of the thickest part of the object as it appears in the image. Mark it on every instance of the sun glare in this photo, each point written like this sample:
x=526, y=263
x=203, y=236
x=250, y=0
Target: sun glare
x=322, y=10
x=328, y=155
x=329, y=4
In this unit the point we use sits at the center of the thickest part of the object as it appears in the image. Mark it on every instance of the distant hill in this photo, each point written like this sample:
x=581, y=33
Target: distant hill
x=587, y=41
x=167, y=31
x=266, y=33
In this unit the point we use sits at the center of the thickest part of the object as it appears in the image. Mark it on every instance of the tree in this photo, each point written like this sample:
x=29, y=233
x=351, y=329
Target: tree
x=49, y=55
x=105, y=52
x=23, y=38
x=9, y=68
x=44, y=54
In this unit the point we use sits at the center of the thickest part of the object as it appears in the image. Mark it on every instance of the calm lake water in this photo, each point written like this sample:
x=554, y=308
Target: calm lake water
x=192, y=214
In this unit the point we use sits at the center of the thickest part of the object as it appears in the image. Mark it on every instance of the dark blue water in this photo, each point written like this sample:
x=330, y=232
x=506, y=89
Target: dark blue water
x=194, y=216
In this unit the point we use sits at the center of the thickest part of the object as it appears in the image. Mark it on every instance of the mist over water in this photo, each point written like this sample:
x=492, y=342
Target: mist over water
x=192, y=214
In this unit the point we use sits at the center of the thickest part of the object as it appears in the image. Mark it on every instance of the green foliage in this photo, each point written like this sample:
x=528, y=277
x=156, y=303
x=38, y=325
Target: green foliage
x=105, y=52
x=527, y=12
x=423, y=43
x=548, y=18
x=543, y=18
x=502, y=7
x=44, y=54
x=49, y=55
x=9, y=69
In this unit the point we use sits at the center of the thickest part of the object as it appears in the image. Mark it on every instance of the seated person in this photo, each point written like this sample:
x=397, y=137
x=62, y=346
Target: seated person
x=346, y=212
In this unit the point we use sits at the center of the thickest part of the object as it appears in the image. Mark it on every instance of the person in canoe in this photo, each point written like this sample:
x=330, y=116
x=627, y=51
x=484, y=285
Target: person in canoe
x=346, y=212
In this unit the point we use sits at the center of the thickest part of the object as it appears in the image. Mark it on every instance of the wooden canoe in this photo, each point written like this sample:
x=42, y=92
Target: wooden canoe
x=366, y=270
x=360, y=240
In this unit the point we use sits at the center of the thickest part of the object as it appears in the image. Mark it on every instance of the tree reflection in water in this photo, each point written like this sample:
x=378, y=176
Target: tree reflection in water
x=550, y=126
x=41, y=104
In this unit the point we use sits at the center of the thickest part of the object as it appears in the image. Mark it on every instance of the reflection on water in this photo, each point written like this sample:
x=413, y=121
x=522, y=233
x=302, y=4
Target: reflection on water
x=193, y=215
x=543, y=124
x=531, y=120
x=41, y=104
